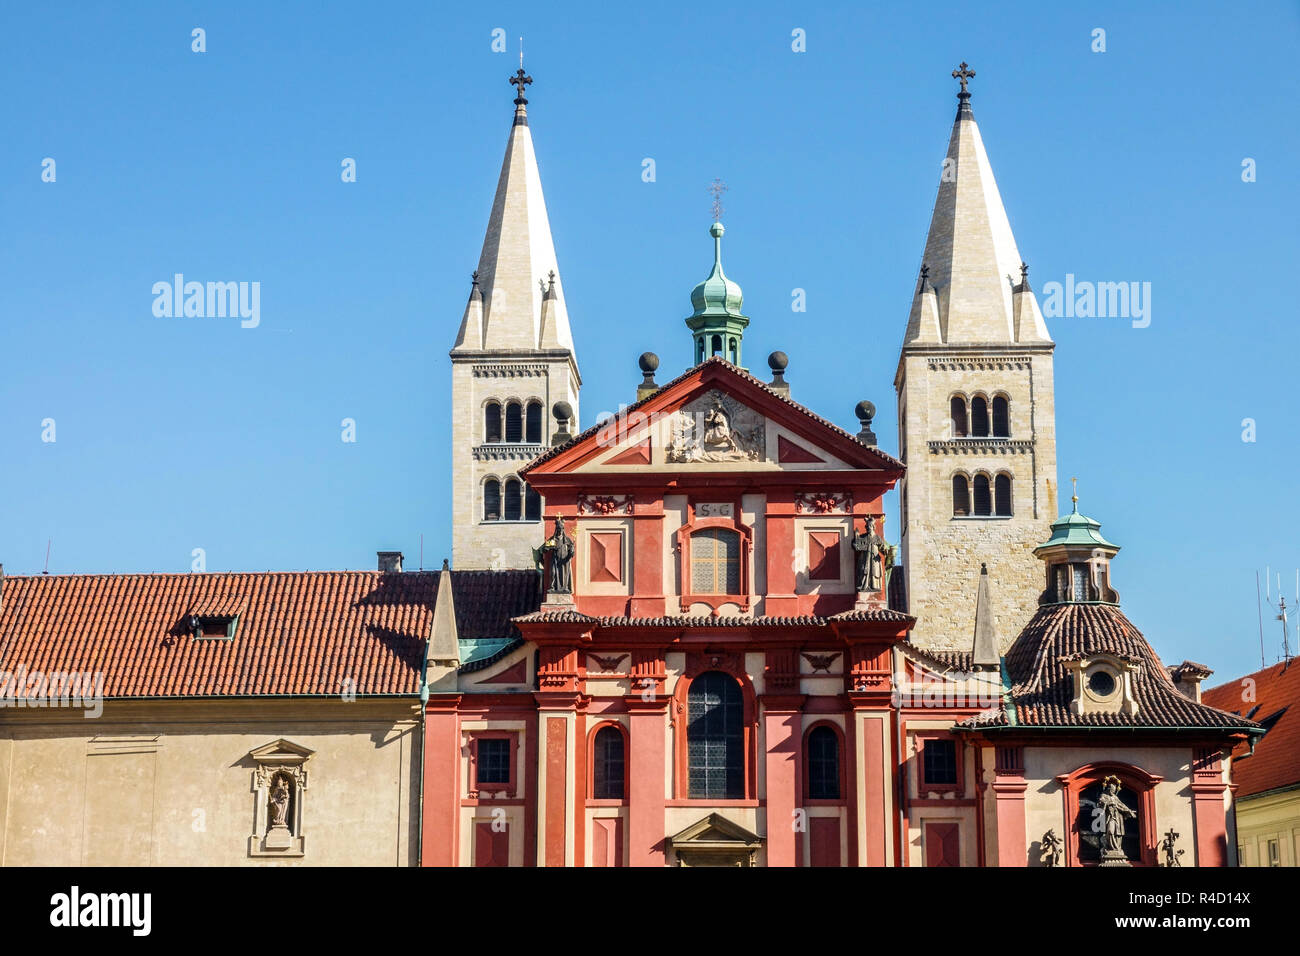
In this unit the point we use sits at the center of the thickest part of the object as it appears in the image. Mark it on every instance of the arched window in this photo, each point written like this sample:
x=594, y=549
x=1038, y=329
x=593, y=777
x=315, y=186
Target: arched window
x=532, y=503
x=731, y=351
x=958, y=407
x=514, y=500
x=1001, y=417
x=960, y=496
x=983, y=500
x=699, y=350
x=607, y=765
x=715, y=737
x=1002, y=495
x=492, y=422
x=979, y=417
x=823, y=764
x=715, y=345
x=715, y=561
x=533, y=434
x=514, y=423
x=492, y=500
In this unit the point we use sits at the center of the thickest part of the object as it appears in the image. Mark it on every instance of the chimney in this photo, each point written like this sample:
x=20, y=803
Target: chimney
x=390, y=561
x=777, y=362
x=1187, y=677
x=648, y=363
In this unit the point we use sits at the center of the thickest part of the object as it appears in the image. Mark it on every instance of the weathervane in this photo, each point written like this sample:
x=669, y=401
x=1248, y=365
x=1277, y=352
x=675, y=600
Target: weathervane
x=964, y=74
x=716, y=189
x=1074, y=495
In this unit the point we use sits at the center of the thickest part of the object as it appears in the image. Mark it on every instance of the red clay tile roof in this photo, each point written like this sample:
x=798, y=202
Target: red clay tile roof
x=1276, y=761
x=1042, y=688
x=885, y=458
x=298, y=633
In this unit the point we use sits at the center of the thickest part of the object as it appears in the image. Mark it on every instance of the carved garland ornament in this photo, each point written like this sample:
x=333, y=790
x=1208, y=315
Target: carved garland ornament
x=604, y=504
x=823, y=502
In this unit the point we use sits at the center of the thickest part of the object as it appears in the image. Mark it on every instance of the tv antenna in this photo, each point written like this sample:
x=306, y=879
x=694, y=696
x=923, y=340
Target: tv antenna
x=1280, y=609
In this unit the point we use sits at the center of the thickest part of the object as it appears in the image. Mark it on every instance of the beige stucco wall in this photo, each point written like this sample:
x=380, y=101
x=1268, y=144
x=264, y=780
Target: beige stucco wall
x=171, y=783
x=1273, y=817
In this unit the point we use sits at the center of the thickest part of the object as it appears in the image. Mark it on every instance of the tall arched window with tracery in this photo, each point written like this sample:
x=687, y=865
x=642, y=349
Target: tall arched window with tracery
x=715, y=737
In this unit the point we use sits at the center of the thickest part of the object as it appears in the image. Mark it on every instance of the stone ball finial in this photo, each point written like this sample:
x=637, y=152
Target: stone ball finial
x=865, y=411
x=778, y=361
x=716, y=230
x=648, y=363
x=563, y=411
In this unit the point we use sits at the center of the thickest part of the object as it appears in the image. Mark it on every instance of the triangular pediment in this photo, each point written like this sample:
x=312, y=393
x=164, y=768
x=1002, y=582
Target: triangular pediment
x=279, y=751
x=715, y=417
x=712, y=830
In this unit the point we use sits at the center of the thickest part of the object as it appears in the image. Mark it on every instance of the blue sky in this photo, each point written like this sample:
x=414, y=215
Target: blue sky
x=174, y=434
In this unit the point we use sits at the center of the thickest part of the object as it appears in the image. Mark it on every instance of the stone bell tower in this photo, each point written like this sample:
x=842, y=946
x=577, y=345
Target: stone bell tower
x=512, y=361
x=976, y=414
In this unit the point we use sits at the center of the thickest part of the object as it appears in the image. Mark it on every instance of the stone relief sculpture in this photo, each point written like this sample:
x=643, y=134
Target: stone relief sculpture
x=1169, y=847
x=1051, y=844
x=716, y=428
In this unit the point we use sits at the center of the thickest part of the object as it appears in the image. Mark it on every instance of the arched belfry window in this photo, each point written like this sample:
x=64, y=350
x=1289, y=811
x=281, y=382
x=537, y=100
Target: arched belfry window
x=607, y=765
x=532, y=503
x=715, y=737
x=533, y=431
x=715, y=561
x=983, y=498
x=514, y=422
x=512, y=507
x=1001, y=417
x=491, y=500
x=1002, y=496
x=731, y=351
x=959, y=424
x=979, y=417
x=715, y=345
x=960, y=496
x=699, y=350
x=492, y=422
x=823, y=764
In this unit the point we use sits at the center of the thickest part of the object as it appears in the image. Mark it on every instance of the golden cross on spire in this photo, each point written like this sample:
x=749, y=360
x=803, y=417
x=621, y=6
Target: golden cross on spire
x=716, y=189
x=964, y=74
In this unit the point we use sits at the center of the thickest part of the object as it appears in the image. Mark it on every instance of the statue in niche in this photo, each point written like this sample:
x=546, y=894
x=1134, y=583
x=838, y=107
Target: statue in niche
x=279, y=801
x=560, y=546
x=868, y=547
x=1112, y=811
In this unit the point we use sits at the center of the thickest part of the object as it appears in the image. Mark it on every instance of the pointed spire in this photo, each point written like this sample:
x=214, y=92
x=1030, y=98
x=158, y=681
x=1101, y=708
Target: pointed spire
x=985, y=649
x=444, y=639
x=518, y=253
x=971, y=253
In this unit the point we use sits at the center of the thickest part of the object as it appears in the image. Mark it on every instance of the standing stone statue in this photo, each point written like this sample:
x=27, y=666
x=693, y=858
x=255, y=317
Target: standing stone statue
x=279, y=801
x=560, y=546
x=1113, y=813
x=867, y=546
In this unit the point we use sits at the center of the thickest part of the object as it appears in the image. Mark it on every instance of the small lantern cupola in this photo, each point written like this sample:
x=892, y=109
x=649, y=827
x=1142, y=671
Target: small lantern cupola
x=1078, y=561
x=717, y=323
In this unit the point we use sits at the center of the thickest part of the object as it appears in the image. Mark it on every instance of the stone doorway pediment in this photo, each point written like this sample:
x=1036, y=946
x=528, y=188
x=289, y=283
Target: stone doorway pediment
x=715, y=841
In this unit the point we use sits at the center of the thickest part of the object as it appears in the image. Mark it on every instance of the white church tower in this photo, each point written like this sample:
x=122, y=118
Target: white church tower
x=976, y=412
x=512, y=363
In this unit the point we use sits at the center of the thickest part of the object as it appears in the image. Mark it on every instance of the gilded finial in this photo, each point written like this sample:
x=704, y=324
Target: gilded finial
x=1075, y=496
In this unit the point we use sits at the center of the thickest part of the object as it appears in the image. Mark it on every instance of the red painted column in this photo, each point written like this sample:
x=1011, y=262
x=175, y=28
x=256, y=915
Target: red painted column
x=1209, y=814
x=648, y=730
x=1009, y=793
x=876, y=809
x=779, y=528
x=440, y=813
x=783, y=742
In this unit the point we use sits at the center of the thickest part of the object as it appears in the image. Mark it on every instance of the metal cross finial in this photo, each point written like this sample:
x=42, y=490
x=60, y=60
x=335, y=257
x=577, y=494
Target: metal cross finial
x=964, y=74
x=717, y=188
x=520, y=80
x=1075, y=496
x=1024, y=272
x=474, y=277
x=925, y=271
